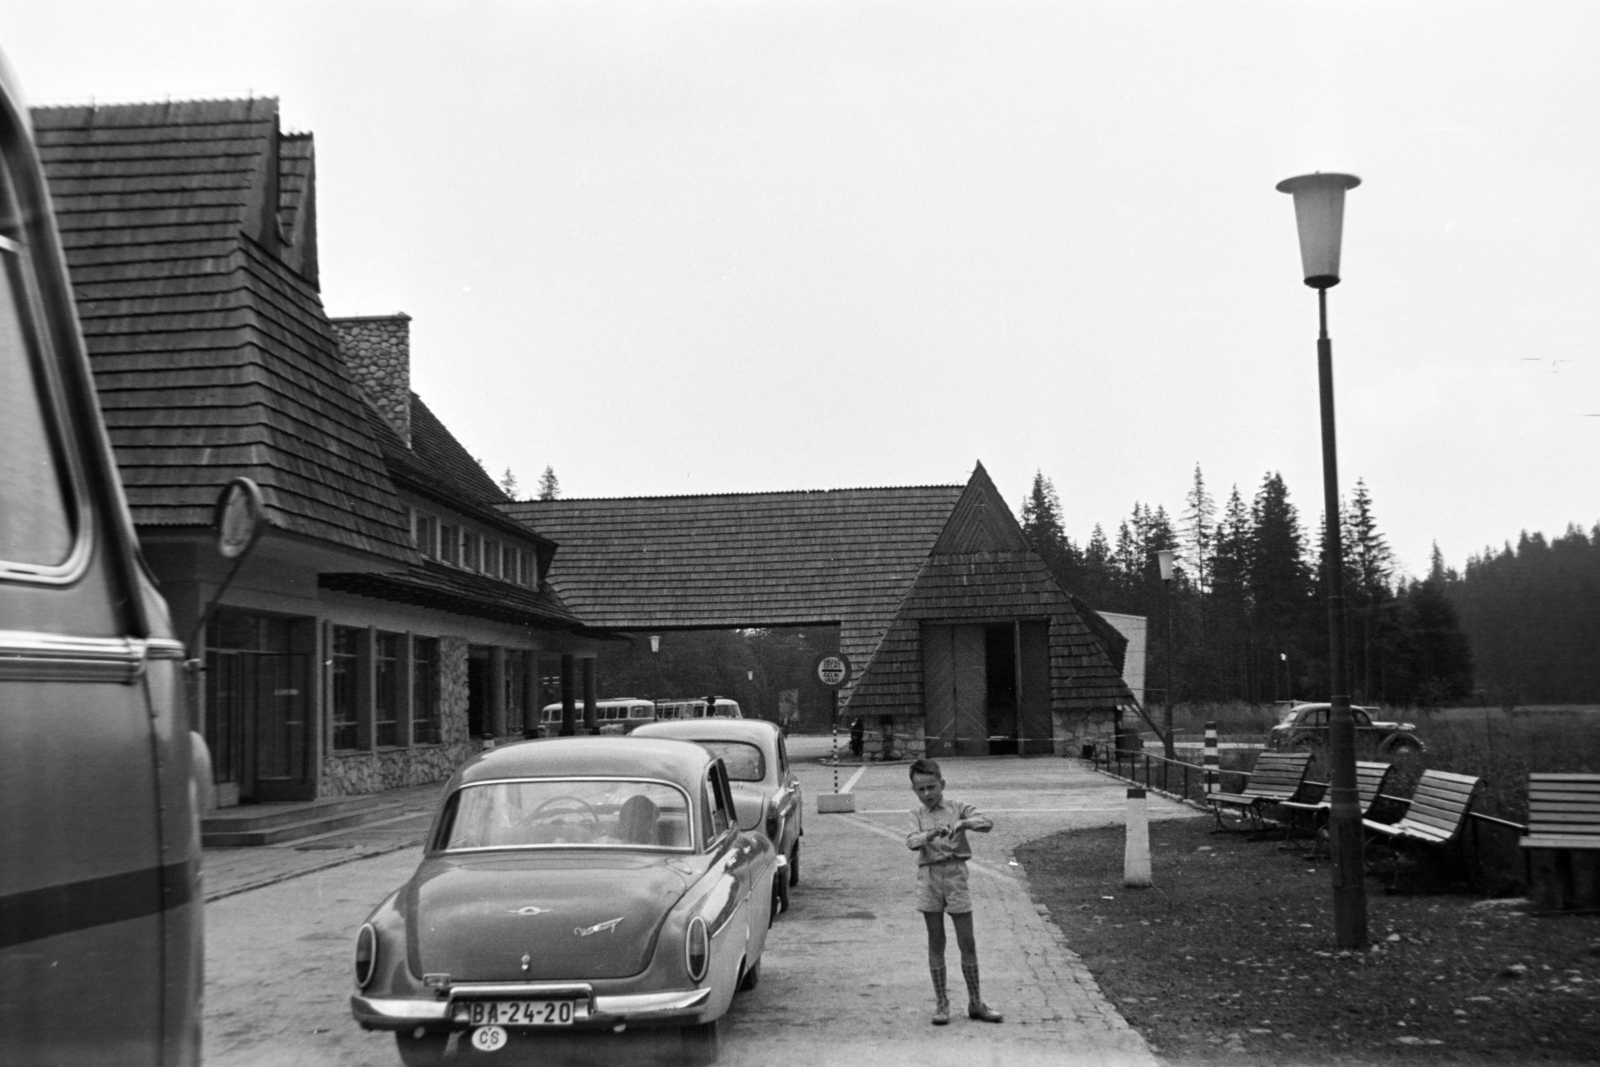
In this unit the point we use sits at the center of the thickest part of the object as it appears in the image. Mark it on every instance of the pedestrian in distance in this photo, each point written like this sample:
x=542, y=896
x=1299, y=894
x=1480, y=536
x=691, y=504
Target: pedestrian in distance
x=939, y=838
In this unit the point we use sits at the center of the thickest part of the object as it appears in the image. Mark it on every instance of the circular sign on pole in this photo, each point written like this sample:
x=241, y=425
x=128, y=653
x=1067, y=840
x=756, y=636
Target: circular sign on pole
x=238, y=517
x=833, y=669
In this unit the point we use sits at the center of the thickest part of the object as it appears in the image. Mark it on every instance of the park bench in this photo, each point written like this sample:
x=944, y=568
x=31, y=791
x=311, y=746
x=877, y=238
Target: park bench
x=1563, y=841
x=1277, y=777
x=1434, y=817
x=1371, y=780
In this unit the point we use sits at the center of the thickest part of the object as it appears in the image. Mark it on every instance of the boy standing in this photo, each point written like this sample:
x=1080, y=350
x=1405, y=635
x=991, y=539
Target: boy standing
x=939, y=838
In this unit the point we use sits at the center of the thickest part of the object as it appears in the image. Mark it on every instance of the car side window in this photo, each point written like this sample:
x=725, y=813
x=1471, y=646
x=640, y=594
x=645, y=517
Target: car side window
x=783, y=758
x=37, y=527
x=717, y=821
x=1319, y=717
x=1361, y=717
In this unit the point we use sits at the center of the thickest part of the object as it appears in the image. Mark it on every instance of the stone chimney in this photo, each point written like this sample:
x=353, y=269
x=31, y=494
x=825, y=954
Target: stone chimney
x=377, y=349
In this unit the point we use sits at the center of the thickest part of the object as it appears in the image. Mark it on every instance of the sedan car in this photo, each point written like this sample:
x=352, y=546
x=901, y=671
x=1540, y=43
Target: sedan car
x=581, y=882
x=1306, y=725
x=757, y=759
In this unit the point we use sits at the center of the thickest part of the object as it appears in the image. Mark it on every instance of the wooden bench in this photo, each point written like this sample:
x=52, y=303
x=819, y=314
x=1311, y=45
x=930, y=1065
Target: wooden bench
x=1435, y=815
x=1563, y=840
x=1277, y=777
x=1371, y=780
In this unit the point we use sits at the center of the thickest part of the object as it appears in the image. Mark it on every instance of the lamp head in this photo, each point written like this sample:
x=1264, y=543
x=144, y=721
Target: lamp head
x=1165, y=558
x=1319, y=214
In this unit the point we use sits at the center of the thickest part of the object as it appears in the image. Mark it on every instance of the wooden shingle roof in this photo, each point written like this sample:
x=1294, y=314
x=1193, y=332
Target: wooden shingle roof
x=741, y=559
x=212, y=354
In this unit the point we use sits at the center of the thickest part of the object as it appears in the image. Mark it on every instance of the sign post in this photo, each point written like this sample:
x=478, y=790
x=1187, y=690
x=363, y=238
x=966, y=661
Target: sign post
x=833, y=670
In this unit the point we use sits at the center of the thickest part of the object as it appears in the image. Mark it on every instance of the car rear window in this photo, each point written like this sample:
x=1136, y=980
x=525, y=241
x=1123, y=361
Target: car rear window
x=566, y=813
x=744, y=761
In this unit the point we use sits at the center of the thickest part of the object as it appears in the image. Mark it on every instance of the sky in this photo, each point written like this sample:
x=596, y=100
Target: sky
x=705, y=247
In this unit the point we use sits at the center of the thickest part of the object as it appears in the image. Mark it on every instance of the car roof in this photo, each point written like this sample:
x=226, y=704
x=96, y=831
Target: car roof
x=755, y=731
x=591, y=757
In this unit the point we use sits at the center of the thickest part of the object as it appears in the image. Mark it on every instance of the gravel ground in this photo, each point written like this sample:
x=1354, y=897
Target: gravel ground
x=1230, y=958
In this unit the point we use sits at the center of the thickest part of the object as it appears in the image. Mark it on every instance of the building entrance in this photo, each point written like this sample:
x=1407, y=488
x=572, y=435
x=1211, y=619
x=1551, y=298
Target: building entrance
x=257, y=708
x=986, y=688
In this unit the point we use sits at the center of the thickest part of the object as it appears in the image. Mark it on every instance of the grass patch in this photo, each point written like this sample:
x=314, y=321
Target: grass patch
x=1230, y=959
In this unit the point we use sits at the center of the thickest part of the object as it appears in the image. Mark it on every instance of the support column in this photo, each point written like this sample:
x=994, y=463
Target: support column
x=497, y=693
x=530, y=694
x=591, y=698
x=569, y=697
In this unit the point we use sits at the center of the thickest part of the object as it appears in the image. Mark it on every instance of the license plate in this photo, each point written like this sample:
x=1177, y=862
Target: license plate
x=521, y=1012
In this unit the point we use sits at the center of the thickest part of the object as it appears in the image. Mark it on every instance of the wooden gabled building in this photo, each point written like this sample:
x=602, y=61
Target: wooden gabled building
x=386, y=622
x=961, y=640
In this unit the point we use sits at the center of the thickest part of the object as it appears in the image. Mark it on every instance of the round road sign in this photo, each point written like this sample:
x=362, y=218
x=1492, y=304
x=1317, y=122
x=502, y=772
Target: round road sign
x=833, y=669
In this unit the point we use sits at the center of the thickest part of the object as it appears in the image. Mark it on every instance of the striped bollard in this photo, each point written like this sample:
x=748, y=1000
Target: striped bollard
x=1136, y=852
x=1212, y=765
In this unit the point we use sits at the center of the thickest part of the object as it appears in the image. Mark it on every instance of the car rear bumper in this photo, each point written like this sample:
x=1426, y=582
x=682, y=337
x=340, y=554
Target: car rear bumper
x=403, y=1013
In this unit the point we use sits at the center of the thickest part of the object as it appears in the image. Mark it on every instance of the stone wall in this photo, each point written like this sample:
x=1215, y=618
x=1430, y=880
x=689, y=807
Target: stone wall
x=377, y=352
x=1074, y=729
x=890, y=737
x=372, y=772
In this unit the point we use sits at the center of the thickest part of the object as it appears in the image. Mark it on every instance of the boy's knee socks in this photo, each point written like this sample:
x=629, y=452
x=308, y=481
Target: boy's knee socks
x=969, y=971
x=940, y=986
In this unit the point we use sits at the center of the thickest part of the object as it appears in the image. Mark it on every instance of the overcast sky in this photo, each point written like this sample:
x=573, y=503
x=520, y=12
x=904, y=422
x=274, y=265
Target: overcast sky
x=706, y=247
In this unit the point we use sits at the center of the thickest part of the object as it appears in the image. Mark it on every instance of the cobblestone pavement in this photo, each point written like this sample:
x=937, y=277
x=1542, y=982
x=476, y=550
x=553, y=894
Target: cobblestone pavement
x=844, y=979
x=846, y=975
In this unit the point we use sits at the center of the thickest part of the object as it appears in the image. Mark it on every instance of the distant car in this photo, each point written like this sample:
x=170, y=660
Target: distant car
x=579, y=882
x=758, y=767
x=1306, y=725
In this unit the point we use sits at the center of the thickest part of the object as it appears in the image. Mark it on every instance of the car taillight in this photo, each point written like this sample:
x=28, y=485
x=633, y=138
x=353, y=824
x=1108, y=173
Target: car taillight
x=366, y=955
x=697, y=948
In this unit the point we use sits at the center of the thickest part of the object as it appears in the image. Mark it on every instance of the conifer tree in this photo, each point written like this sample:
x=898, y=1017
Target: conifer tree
x=1199, y=531
x=549, y=484
x=508, y=484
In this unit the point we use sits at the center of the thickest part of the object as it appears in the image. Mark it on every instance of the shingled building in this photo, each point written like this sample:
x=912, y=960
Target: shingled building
x=388, y=618
x=962, y=642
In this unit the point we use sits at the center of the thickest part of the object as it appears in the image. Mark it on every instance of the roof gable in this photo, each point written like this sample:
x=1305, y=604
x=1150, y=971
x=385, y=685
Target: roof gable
x=981, y=521
x=212, y=355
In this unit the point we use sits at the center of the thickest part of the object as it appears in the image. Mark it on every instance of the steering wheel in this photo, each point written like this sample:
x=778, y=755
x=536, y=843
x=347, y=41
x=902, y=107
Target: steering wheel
x=588, y=812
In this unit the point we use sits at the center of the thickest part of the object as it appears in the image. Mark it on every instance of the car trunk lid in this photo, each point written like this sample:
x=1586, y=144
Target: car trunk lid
x=575, y=916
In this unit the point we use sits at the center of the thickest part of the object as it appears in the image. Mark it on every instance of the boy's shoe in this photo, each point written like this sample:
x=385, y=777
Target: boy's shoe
x=941, y=1015
x=982, y=1012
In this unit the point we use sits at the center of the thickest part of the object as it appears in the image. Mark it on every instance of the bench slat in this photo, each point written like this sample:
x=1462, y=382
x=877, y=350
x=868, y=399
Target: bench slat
x=1560, y=841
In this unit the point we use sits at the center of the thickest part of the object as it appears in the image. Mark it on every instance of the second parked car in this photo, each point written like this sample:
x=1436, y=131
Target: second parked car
x=758, y=768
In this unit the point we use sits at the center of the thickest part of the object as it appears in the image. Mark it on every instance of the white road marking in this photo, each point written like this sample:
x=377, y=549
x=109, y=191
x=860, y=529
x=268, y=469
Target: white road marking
x=854, y=778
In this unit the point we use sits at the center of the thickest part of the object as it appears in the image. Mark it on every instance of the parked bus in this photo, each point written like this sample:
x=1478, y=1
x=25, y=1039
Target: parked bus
x=101, y=908
x=616, y=715
x=667, y=710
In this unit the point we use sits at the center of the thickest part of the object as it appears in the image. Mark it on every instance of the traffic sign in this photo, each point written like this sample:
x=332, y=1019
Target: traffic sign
x=833, y=669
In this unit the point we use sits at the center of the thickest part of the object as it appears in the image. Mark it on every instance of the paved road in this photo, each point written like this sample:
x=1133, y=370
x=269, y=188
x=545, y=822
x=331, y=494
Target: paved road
x=844, y=980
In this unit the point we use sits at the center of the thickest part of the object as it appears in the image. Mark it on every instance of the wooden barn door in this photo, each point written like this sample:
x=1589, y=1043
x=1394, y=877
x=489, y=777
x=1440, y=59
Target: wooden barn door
x=955, y=690
x=1033, y=658
x=939, y=689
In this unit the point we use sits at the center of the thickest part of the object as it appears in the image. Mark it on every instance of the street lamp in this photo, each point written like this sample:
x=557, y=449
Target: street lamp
x=1319, y=214
x=1165, y=558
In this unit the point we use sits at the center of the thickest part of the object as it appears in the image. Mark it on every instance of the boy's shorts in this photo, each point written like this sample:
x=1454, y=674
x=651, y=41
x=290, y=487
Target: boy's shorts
x=943, y=887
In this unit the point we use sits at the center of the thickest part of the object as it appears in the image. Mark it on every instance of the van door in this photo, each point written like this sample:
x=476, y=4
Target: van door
x=99, y=921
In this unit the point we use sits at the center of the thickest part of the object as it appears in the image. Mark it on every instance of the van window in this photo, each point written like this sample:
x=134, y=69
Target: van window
x=36, y=526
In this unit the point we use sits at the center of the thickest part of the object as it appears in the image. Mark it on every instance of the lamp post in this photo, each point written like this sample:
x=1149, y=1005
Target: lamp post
x=1165, y=559
x=1319, y=215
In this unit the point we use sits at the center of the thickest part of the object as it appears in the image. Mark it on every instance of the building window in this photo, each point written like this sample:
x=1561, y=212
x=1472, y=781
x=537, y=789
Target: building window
x=386, y=689
x=426, y=530
x=346, y=656
x=449, y=543
x=471, y=551
x=425, y=691
x=491, y=558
